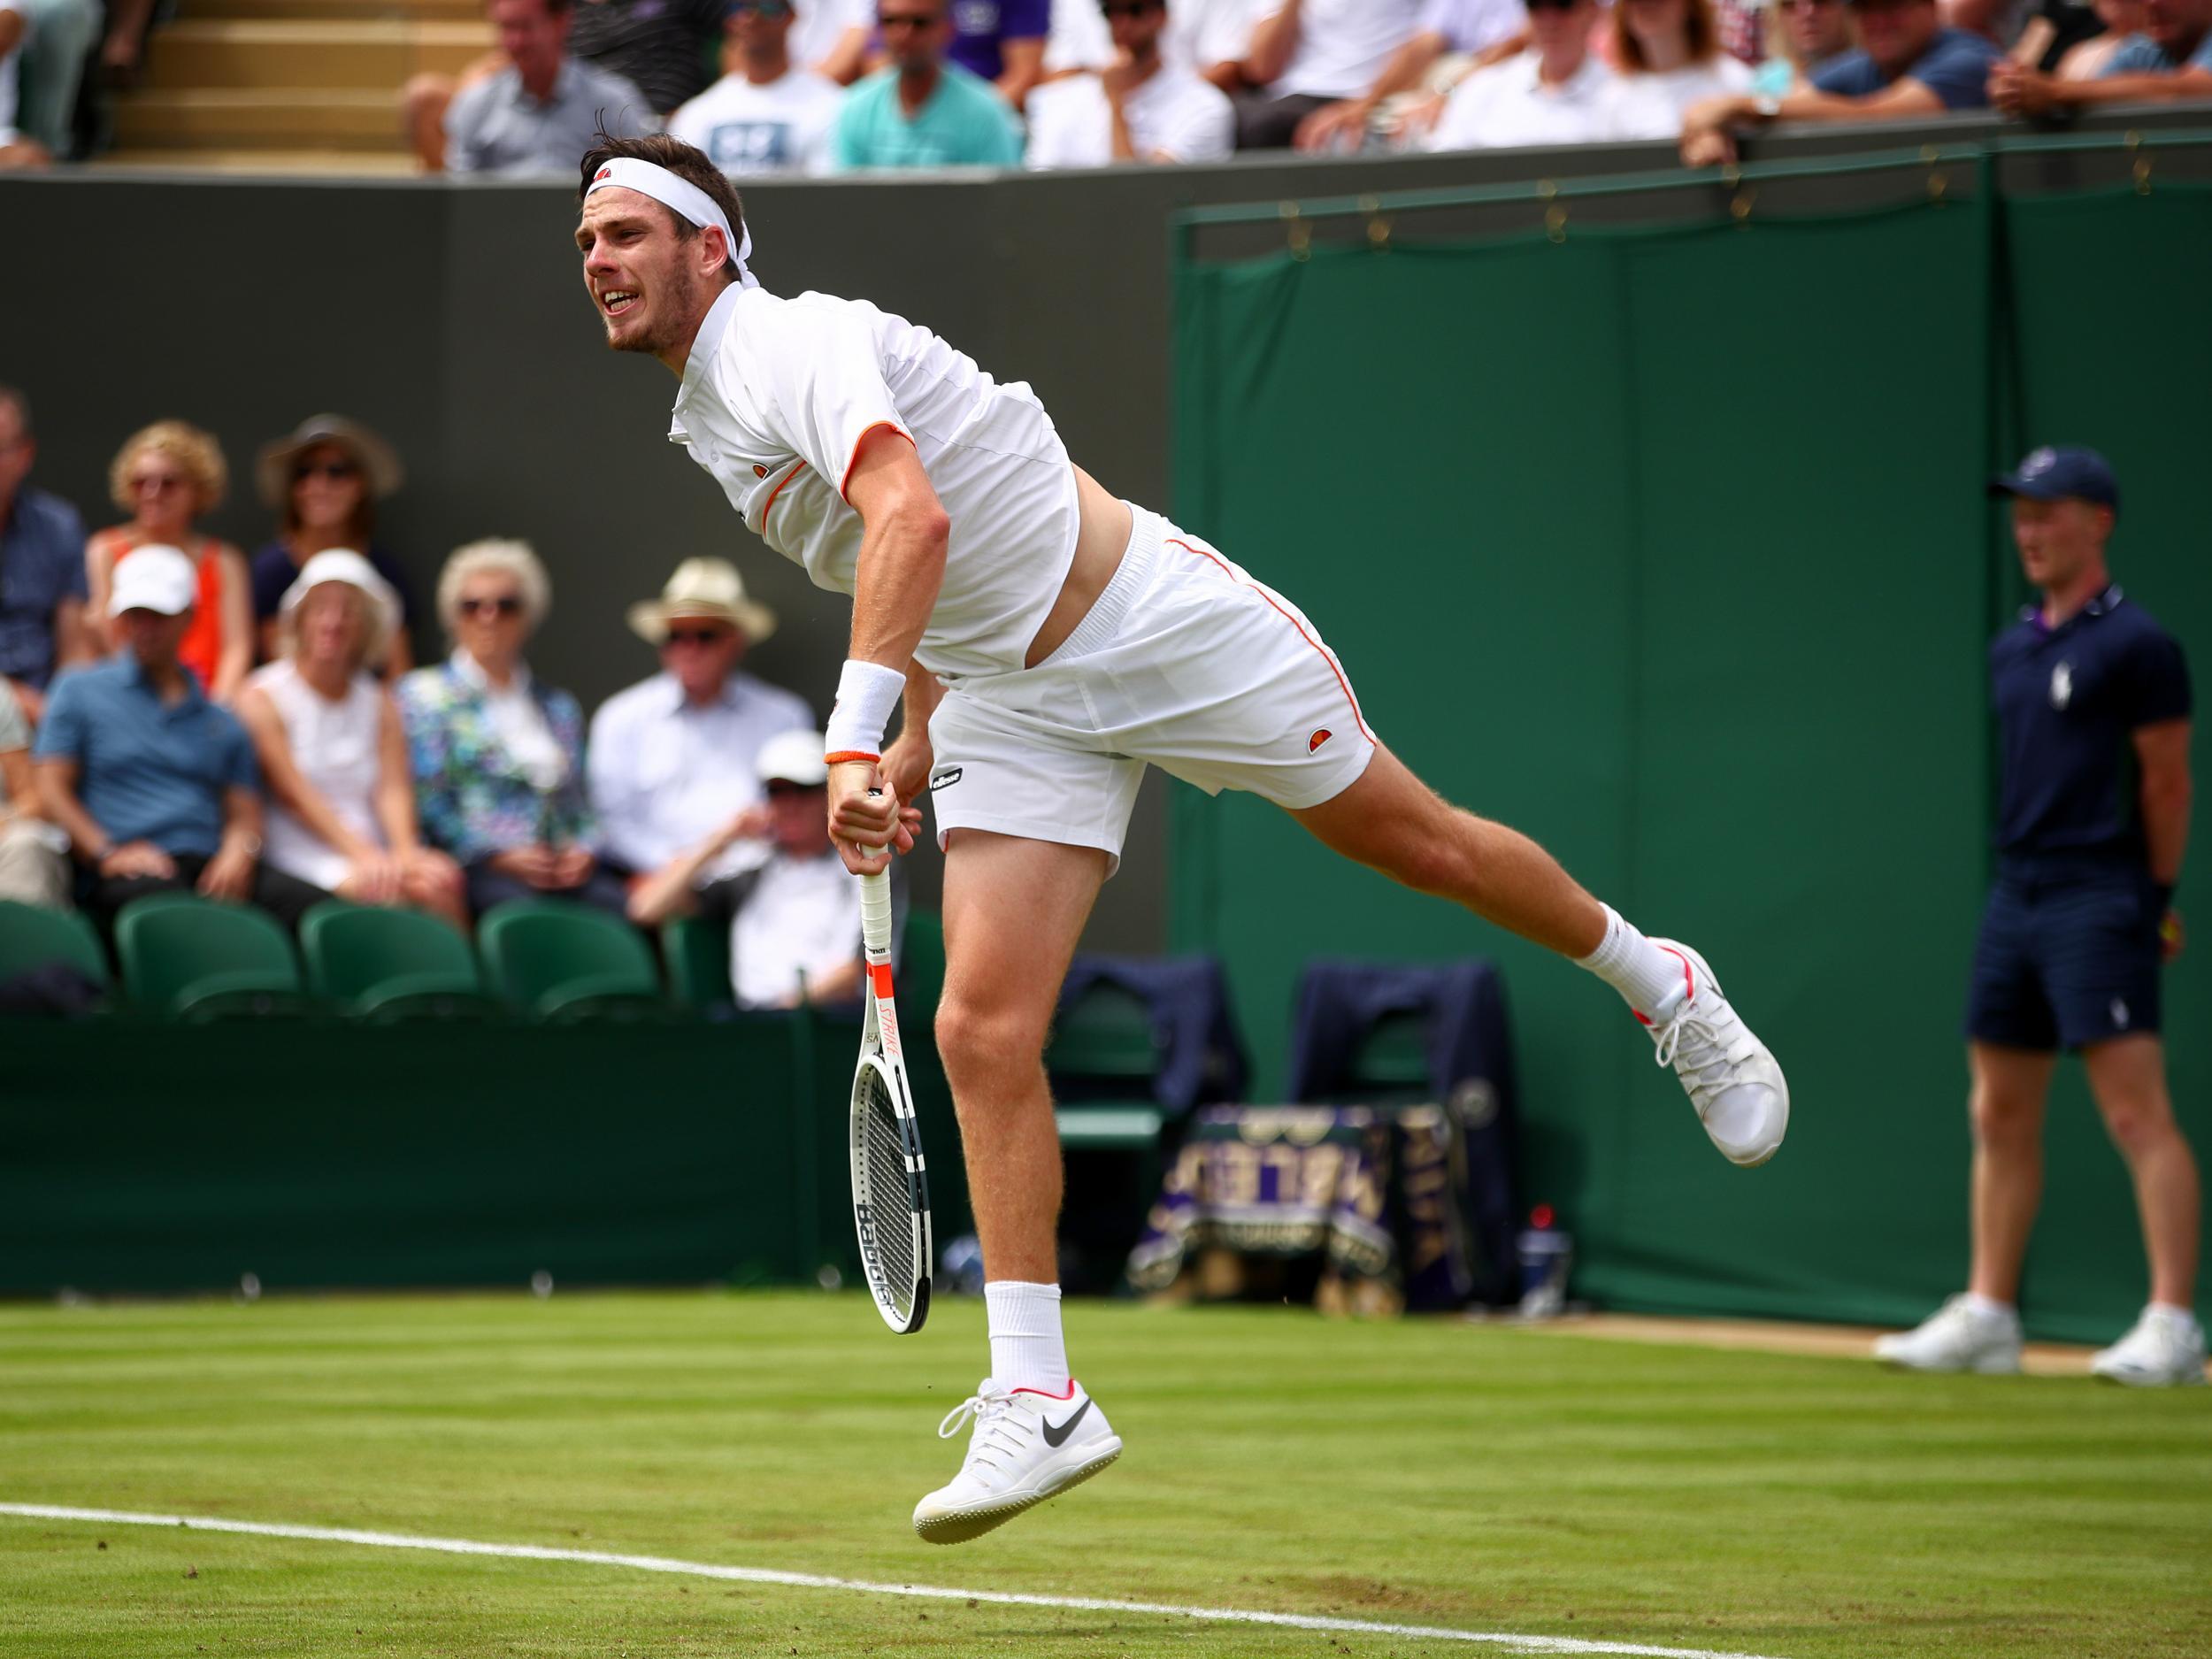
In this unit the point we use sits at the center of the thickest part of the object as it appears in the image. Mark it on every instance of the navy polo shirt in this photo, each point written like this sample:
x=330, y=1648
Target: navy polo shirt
x=2068, y=701
x=1955, y=68
x=147, y=771
x=41, y=564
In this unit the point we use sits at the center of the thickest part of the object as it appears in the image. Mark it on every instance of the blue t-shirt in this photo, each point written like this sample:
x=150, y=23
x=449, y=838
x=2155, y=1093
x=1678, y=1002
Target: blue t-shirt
x=1955, y=68
x=964, y=124
x=2140, y=54
x=980, y=27
x=147, y=771
x=2068, y=701
x=41, y=564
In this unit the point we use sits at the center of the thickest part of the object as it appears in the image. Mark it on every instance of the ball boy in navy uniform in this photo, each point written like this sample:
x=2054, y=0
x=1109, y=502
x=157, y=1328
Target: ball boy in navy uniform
x=2093, y=712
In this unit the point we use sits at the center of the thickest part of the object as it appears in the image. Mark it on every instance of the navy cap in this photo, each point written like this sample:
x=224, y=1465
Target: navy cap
x=2064, y=472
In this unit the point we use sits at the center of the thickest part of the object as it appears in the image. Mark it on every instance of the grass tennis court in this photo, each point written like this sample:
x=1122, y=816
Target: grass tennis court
x=1421, y=1472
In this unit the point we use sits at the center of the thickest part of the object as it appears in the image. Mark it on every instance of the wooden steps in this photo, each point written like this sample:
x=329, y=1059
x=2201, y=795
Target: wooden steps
x=293, y=86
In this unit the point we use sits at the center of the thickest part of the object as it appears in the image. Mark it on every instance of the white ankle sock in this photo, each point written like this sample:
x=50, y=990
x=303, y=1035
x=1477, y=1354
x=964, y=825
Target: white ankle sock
x=2184, y=1319
x=1649, y=978
x=1988, y=1307
x=1028, y=1350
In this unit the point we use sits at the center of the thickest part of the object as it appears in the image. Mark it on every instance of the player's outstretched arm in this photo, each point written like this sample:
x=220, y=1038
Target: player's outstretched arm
x=900, y=569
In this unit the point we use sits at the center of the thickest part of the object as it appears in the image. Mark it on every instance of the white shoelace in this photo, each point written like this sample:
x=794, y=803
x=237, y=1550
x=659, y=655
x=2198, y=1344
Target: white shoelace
x=1715, y=1068
x=995, y=1437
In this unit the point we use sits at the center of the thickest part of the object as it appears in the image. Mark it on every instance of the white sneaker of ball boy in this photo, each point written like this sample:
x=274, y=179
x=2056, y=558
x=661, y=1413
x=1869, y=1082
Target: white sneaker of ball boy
x=2164, y=1349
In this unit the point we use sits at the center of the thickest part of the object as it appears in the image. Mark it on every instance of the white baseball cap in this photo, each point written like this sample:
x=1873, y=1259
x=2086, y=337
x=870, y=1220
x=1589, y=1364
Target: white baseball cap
x=154, y=578
x=793, y=757
x=343, y=564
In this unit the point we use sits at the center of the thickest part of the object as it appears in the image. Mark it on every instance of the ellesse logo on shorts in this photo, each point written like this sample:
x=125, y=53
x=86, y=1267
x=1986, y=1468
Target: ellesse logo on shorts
x=1317, y=739
x=944, y=777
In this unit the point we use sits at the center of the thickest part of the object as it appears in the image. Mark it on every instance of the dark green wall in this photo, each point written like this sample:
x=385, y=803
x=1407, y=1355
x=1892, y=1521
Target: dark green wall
x=1670, y=548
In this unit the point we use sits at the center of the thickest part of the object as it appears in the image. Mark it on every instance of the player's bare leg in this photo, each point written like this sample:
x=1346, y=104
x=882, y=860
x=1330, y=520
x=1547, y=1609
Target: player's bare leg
x=1014, y=910
x=1393, y=822
x=2009, y=1087
x=2128, y=1077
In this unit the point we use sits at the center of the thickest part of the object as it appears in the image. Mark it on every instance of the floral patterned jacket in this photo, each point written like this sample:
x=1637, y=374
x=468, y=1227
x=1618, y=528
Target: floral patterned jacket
x=473, y=798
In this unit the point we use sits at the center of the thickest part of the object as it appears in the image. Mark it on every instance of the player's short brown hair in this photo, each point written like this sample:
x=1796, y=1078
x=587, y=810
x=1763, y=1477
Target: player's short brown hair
x=688, y=163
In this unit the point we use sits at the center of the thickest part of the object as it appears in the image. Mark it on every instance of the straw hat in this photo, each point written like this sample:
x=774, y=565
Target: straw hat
x=703, y=588
x=379, y=466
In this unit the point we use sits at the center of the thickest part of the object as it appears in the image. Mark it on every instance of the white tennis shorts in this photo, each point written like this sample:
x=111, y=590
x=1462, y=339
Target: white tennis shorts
x=1185, y=662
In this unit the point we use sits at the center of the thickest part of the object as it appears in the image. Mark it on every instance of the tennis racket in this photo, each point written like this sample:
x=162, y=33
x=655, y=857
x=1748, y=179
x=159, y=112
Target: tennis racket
x=890, y=1183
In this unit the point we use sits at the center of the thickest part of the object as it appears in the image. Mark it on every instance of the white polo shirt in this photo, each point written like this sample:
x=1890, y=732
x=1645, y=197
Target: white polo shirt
x=1173, y=114
x=801, y=917
x=778, y=394
x=1508, y=104
x=1343, y=45
x=1653, y=103
x=666, y=774
x=747, y=129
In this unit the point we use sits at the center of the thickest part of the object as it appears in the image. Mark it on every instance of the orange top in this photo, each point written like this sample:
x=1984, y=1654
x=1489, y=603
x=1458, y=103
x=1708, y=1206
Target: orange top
x=201, y=650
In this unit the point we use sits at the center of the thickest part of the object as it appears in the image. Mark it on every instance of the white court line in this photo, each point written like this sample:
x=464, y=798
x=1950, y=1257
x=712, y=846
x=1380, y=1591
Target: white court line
x=815, y=1581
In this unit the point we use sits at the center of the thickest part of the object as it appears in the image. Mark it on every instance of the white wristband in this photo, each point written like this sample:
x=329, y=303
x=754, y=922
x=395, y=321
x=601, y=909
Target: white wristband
x=866, y=694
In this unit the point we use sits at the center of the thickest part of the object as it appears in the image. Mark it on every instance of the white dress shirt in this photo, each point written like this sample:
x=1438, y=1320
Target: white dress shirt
x=1173, y=114
x=666, y=774
x=802, y=917
x=1508, y=104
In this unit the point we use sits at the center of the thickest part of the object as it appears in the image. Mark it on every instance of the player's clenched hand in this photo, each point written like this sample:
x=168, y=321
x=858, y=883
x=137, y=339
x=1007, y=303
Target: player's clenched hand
x=865, y=814
x=905, y=765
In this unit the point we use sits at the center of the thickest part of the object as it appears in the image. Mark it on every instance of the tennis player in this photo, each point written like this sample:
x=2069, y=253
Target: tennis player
x=1049, y=641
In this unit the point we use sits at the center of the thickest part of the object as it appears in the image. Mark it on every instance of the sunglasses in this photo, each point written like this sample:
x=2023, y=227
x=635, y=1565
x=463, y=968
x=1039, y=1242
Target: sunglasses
x=696, y=636
x=337, y=471
x=156, y=481
x=505, y=605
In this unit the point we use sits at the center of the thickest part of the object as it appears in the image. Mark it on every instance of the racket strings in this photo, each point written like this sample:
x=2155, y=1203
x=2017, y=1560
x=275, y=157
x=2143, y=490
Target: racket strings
x=890, y=1196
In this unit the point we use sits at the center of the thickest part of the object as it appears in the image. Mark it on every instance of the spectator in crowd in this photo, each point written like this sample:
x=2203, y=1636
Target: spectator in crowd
x=1907, y=64
x=156, y=785
x=793, y=921
x=323, y=481
x=1813, y=34
x=659, y=47
x=333, y=753
x=42, y=624
x=766, y=115
x=16, y=149
x=34, y=865
x=1555, y=92
x=165, y=476
x=1307, y=55
x=830, y=37
x=2170, y=60
x=1481, y=32
x=672, y=757
x=922, y=110
x=1666, y=57
x=1002, y=41
x=497, y=758
x=2072, y=41
x=545, y=107
x=1135, y=109
x=51, y=62
x=2093, y=704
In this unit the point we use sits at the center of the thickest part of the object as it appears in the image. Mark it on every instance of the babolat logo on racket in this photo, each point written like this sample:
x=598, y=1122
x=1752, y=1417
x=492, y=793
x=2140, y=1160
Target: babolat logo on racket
x=871, y=1262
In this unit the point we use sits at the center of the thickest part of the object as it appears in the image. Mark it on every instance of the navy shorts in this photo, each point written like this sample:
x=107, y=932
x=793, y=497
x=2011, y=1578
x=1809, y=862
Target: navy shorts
x=2066, y=959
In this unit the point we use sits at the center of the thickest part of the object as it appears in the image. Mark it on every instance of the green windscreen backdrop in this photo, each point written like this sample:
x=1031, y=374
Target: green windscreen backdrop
x=1671, y=548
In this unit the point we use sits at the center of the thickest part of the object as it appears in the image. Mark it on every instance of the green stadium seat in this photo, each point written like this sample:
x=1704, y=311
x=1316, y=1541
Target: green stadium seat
x=189, y=958
x=32, y=936
x=568, y=962
x=1106, y=1038
x=697, y=957
x=388, y=965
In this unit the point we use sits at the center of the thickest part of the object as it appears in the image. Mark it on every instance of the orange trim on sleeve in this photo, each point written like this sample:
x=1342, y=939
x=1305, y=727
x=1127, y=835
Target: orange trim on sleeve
x=881, y=425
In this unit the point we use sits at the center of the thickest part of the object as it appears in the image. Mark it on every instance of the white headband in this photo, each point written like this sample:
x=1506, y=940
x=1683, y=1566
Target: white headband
x=649, y=179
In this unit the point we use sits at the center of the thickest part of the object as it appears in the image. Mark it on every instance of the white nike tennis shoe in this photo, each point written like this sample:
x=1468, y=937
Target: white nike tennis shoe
x=2164, y=1350
x=1741, y=1097
x=1958, y=1336
x=1024, y=1447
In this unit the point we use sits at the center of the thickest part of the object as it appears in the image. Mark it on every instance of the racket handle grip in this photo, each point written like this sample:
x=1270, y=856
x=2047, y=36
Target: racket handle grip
x=875, y=916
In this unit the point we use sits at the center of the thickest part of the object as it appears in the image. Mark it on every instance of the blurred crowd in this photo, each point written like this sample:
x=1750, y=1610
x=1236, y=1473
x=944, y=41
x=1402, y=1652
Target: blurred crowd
x=178, y=715
x=825, y=86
